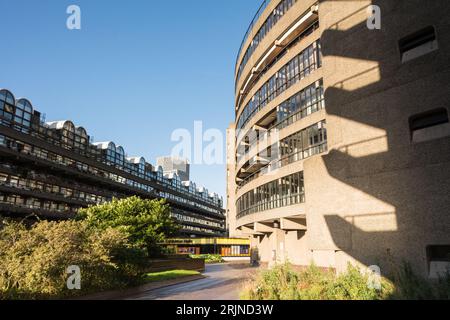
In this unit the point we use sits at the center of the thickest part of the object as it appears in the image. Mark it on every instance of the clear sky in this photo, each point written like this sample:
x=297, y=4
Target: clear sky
x=135, y=72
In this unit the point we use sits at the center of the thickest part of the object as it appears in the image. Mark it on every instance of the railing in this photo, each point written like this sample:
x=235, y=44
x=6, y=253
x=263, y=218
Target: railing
x=302, y=113
x=314, y=26
x=25, y=185
x=250, y=27
x=13, y=145
x=282, y=162
x=91, y=152
x=293, y=118
x=281, y=202
x=276, y=85
x=35, y=207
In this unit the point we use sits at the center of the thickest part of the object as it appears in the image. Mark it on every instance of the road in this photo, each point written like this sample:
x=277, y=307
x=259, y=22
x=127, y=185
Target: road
x=222, y=282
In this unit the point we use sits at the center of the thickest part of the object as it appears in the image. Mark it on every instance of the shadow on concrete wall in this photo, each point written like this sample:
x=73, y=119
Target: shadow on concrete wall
x=417, y=206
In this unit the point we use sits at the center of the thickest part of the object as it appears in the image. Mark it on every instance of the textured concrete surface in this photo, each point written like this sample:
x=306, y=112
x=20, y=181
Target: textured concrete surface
x=379, y=196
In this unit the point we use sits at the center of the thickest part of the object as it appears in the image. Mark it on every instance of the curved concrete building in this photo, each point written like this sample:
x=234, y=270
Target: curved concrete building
x=340, y=152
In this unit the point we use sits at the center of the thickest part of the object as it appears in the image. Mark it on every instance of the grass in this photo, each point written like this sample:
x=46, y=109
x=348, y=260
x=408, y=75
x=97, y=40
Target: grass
x=169, y=275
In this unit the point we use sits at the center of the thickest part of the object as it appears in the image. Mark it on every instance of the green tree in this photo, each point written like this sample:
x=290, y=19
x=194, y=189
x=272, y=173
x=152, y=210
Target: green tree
x=146, y=222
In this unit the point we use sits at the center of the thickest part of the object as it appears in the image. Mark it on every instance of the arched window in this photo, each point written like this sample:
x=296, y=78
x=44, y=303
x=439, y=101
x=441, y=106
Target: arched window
x=23, y=113
x=120, y=156
x=111, y=153
x=7, y=105
x=7, y=96
x=176, y=181
x=68, y=134
x=81, y=138
x=142, y=163
x=160, y=173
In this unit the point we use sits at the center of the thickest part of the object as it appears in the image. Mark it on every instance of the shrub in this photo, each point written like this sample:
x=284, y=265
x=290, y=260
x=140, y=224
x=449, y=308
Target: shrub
x=279, y=283
x=282, y=283
x=33, y=262
x=209, y=258
x=409, y=286
x=145, y=222
x=353, y=285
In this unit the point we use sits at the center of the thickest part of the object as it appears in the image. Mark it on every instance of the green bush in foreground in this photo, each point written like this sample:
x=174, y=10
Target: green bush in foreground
x=282, y=283
x=146, y=222
x=279, y=283
x=33, y=262
x=209, y=258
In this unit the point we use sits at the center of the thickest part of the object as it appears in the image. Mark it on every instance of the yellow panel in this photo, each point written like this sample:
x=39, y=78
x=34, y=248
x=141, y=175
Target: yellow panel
x=208, y=241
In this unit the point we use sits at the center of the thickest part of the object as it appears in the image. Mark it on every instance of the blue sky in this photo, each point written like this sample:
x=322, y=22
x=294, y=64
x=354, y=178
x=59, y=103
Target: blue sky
x=135, y=72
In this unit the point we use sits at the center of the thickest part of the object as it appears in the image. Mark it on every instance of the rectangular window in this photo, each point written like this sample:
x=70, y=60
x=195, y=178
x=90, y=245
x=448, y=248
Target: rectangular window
x=429, y=125
x=418, y=44
x=438, y=257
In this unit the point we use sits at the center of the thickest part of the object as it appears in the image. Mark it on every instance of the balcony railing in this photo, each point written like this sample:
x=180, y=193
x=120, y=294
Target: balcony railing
x=284, y=161
x=280, y=202
x=92, y=153
x=250, y=27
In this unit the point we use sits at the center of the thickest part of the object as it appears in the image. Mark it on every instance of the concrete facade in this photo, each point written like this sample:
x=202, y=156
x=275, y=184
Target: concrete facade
x=379, y=191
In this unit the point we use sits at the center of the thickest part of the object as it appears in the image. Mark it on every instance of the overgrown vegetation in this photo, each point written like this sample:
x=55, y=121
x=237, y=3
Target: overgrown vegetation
x=209, y=258
x=169, y=275
x=110, y=243
x=411, y=286
x=33, y=262
x=313, y=283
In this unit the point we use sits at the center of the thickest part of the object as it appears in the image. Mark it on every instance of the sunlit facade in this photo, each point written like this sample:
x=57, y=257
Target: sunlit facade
x=52, y=169
x=340, y=151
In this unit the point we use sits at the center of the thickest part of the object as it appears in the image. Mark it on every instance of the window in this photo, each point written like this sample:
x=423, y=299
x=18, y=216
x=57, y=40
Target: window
x=7, y=103
x=295, y=70
x=418, y=44
x=304, y=144
x=279, y=193
x=23, y=113
x=429, y=125
x=438, y=257
x=273, y=18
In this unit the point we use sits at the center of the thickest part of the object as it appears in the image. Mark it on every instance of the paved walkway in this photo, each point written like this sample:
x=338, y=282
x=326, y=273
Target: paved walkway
x=222, y=282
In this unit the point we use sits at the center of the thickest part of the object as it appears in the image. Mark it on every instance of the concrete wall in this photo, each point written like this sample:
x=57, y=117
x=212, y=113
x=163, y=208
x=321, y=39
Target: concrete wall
x=176, y=263
x=378, y=195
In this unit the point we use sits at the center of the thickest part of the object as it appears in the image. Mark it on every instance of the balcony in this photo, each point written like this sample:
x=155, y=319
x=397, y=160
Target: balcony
x=277, y=164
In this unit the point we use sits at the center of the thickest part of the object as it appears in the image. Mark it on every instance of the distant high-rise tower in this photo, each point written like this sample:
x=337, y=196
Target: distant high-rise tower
x=176, y=165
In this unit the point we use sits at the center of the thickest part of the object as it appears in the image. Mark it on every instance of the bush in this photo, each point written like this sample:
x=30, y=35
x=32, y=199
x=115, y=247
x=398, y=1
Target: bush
x=279, y=283
x=33, y=262
x=353, y=285
x=146, y=222
x=282, y=283
x=209, y=258
x=409, y=286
